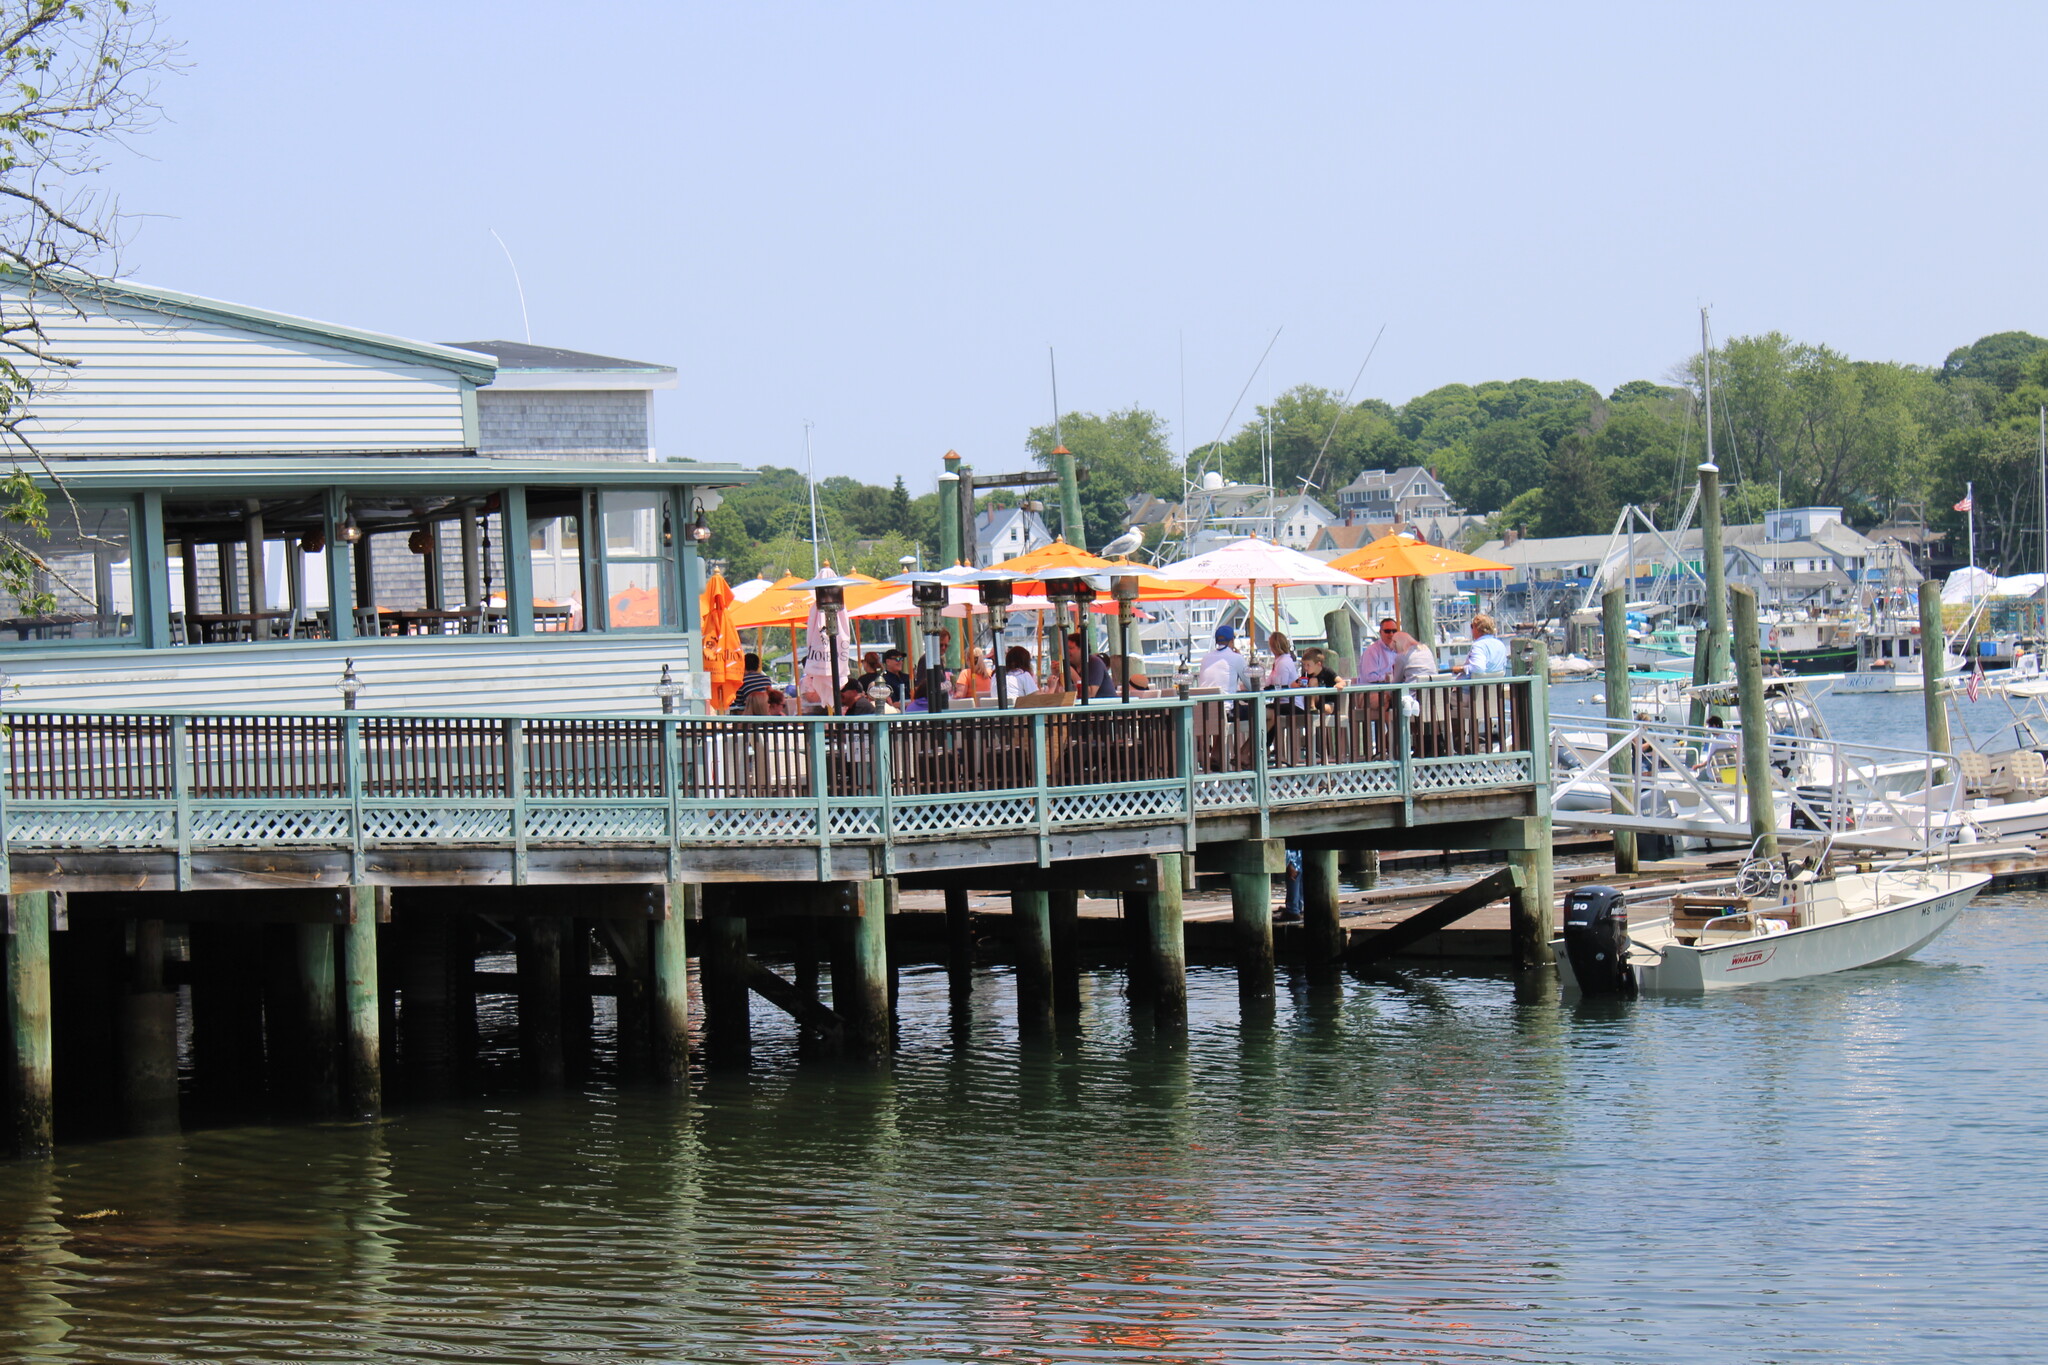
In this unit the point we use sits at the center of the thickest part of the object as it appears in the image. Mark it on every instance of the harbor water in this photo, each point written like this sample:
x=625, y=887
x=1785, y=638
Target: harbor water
x=1399, y=1165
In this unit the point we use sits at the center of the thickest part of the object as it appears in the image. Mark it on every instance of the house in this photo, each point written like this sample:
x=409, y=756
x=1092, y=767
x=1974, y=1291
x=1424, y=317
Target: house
x=548, y=403
x=1218, y=512
x=1410, y=494
x=262, y=499
x=1006, y=532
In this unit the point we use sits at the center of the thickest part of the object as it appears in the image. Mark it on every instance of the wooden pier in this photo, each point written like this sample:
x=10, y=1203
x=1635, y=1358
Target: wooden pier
x=302, y=899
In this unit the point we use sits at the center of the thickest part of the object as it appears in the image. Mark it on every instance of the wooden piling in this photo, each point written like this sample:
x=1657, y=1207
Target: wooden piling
x=1031, y=923
x=149, y=1039
x=959, y=943
x=1166, y=945
x=320, y=1019
x=1322, y=917
x=722, y=969
x=1933, y=645
x=1251, y=919
x=32, y=1111
x=579, y=1014
x=1532, y=913
x=866, y=1007
x=1064, y=911
x=227, y=1016
x=363, y=1066
x=540, y=999
x=1614, y=677
x=672, y=985
x=1756, y=726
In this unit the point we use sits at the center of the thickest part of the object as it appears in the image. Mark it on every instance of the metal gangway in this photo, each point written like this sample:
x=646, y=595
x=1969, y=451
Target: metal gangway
x=1656, y=777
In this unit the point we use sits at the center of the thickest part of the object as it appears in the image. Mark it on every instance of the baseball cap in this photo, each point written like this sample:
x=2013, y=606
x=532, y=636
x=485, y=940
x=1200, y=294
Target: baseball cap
x=1225, y=634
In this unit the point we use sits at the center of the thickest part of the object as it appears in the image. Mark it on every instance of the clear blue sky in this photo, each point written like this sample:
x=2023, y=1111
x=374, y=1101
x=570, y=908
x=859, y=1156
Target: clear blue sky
x=877, y=217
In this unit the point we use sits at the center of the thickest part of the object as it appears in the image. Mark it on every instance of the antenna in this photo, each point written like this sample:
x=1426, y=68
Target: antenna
x=524, y=321
x=811, y=484
x=1052, y=363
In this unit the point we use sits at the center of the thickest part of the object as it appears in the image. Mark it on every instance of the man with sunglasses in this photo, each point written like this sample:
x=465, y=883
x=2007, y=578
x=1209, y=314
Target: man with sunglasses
x=1382, y=660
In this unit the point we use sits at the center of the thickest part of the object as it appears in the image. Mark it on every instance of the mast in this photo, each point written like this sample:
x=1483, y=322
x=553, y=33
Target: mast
x=1714, y=570
x=811, y=484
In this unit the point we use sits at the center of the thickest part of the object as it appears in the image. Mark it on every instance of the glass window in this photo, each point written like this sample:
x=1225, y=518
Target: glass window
x=639, y=554
x=554, y=522
x=83, y=588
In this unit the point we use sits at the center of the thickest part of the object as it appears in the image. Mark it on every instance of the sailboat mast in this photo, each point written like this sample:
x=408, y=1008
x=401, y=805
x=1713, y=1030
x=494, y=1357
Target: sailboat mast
x=811, y=484
x=1712, y=664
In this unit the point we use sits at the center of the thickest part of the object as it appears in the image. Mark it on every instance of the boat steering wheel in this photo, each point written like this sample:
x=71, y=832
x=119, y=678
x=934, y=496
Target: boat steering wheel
x=1760, y=877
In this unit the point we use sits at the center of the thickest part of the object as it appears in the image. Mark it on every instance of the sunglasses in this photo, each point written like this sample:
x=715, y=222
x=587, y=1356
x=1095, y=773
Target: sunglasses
x=1389, y=630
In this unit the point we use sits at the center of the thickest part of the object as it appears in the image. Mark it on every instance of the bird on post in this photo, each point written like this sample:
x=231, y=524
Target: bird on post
x=1124, y=545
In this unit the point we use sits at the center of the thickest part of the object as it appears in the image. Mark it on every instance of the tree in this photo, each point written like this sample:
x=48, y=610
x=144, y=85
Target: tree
x=899, y=509
x=1576, y=499
x=1124, y=452
x=731, y=543
x=77, y=76
x=1996, y=360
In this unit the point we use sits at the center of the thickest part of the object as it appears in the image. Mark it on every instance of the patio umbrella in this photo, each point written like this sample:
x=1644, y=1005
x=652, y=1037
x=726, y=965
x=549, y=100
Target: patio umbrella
x=637, y=606
x=1247, y=563
x=1404, y=556
x=724, y=659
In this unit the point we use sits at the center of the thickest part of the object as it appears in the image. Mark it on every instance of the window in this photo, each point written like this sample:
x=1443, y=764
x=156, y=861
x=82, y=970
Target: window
x=84, y=587
x=639, y=561
x=554, y=539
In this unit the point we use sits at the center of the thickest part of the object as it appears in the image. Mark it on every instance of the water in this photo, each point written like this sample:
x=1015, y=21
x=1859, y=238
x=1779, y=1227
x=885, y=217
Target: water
x=1395, y=1167
x=1888, y=719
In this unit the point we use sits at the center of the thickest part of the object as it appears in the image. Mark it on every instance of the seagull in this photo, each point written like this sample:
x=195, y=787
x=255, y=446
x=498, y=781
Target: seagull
x=1124, y=545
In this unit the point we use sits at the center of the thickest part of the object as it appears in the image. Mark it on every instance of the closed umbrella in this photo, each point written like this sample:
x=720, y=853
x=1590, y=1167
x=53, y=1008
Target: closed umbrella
x=724, y=659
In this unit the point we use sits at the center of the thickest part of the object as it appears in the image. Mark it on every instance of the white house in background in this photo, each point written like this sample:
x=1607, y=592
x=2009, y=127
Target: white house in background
x=1409, y=494
x=1006, y=532
x=261, y=497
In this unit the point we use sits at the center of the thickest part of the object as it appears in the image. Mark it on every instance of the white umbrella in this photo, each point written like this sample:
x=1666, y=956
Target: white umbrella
x=1245, y=564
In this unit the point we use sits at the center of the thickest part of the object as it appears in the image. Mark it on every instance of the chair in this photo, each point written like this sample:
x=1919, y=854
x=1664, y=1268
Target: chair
x=1976, y=772
x=2028, y=772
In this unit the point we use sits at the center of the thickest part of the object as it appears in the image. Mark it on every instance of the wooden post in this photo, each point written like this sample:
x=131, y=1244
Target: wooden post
x=1756, y=724
x=1031, y=921
x=28, y=1017
x=227, y=1016
x=424, y=1016
x=365, y=1065
x=1167, y=956
x=1418, y=611
x=578, y=1015
x=672, y=985
x=1933, y=645
x=1340, y=641
x=1532, y=914
x=722, y=968
x=321, y=1016
x=1322, y=917
x=1714, y=570
x=540, y=999
x=1064, y=910
x=1614, y=676
x=1251, y=918
x=866, y=1006
x=959, y=944
x=149, y=1039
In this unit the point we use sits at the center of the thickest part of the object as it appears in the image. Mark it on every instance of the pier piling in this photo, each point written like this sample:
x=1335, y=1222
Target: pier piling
x=1251, y=917
x=1063, y=909
x=722, y=968
x=319, y=1019
x=540, y=999
x=1614, y=682
x=364, y=1047
x=1165, y=962
x=1031, y=921
x=672, y=984
x=1322, y=922
x=864, y=1002
x=959, y=943
x=28, y=1017
x=149, y=1039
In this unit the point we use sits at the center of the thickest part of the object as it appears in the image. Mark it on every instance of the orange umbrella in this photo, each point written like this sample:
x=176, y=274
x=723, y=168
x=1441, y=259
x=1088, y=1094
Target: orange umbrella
x=1404, y=556
x=639, y=607
x=724, y=658
x=1057, y=555
x=784, y=605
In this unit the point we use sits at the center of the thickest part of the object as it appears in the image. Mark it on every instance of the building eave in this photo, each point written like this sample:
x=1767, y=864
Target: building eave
x=403, y=471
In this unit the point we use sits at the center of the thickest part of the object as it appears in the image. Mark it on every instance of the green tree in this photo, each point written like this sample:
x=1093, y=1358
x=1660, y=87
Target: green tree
x=1124, y=452
x=731, y=543
x=1998, y=360
x=1576, y=496
x=899, y=509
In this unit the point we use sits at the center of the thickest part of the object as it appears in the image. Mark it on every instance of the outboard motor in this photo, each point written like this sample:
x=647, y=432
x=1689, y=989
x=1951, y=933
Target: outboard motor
x=1596, y=941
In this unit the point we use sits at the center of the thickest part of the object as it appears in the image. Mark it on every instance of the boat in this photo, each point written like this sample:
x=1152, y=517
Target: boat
x=1810, y=644
x=1784, y=918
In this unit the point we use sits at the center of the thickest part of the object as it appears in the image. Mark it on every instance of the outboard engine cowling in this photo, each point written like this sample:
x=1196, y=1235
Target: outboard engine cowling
x=1596, y=941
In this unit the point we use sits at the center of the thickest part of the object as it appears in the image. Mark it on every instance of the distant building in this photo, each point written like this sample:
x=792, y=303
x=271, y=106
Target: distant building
x=1006, y=532
x=1398, y=495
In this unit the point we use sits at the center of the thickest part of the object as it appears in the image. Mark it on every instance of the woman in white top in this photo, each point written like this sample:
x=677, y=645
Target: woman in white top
x=1018, y=680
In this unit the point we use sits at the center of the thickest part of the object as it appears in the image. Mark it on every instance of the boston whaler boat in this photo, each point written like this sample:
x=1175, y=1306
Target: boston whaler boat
x=1787, y=917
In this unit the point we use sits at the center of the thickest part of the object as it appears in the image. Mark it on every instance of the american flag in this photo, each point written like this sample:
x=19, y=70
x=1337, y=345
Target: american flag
x=1967, y=504
x=1976, y=683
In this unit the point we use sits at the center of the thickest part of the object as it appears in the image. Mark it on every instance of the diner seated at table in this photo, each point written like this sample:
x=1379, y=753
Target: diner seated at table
x=1020, y=680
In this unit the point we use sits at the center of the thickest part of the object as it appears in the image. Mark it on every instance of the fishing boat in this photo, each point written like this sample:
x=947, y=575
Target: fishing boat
x=1784, y=918
x=1810, y=644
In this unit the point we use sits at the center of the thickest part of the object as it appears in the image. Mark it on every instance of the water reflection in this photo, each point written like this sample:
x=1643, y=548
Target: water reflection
x=1398, y=1164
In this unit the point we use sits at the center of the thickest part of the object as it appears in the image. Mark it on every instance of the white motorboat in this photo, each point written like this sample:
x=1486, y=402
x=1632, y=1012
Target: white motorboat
x=1768, y=927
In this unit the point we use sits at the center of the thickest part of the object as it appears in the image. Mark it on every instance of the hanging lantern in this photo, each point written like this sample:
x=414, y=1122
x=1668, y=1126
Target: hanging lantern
x=419, y=542
x=313, y=542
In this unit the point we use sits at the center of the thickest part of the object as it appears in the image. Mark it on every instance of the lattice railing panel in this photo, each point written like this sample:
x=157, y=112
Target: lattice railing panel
x=573, y=824
x=258, y=825
x=1154, y=803
x=1224, y=793
x=1334, y=784
x=1463, y=774
x=856, y=821
x=954, y=816
x=90, y=827
x=750, y=824
x=437, y=824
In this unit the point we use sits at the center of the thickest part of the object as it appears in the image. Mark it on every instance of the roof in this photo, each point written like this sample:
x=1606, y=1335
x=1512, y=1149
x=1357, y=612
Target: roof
x=383, y=470
x=522, y=365
x=475, y=367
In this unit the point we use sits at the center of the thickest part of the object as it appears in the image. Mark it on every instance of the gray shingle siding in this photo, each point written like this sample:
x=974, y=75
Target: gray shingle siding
x=566, y=424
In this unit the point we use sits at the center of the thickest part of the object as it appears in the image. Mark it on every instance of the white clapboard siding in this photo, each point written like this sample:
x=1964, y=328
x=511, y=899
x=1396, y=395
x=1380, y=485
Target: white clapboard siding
x=580, y=676
x=150, y=383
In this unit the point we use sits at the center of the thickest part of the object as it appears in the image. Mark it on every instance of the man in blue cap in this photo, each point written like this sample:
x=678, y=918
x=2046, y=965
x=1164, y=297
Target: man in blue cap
x=1222, y=666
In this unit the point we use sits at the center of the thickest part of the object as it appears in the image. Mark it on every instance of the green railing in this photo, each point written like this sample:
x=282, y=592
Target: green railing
x=185, y=781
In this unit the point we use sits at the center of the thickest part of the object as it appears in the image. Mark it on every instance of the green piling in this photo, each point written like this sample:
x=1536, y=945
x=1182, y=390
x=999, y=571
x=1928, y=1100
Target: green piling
x=1322, y=917
x=28, y=1016
x=1933, y=644
x=321, y=1017
x=672, y=984
x=364, y=1065
x=1251, y=916
x=1756, y=724
x=1031, y=925
x=1614, y=674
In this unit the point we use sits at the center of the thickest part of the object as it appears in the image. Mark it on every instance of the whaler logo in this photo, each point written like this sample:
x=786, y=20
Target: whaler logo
x=1755, y=957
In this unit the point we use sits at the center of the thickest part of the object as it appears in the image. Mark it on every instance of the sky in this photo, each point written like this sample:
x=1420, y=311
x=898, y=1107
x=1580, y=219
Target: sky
x=881, y=219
